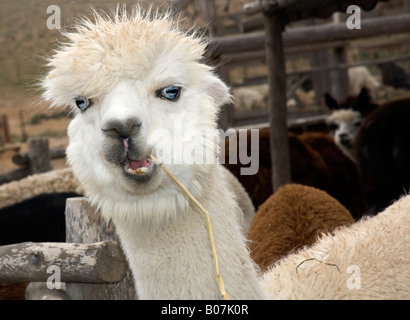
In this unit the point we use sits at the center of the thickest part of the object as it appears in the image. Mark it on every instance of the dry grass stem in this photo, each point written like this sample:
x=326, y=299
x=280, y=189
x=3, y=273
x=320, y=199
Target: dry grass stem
x=208, y=223
x=314, y=259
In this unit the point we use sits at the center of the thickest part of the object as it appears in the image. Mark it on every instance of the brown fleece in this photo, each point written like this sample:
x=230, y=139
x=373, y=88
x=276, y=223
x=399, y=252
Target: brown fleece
x=292, y=218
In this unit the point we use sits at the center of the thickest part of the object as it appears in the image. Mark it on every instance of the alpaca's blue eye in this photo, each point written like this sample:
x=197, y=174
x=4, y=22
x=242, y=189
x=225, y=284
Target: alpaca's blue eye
x=170, y=93
x=82, y=103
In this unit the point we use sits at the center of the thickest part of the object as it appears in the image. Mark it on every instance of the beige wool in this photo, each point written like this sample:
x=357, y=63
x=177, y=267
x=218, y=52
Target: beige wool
x=61, y=180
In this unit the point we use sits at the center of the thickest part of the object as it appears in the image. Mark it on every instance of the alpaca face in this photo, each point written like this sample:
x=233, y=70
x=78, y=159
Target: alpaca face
x=345, y=125
x=129, y=82
x=347, y=117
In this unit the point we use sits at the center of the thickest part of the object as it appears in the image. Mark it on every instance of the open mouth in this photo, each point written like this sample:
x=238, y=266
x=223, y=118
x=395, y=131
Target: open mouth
x=346, y=142
x=141, y=167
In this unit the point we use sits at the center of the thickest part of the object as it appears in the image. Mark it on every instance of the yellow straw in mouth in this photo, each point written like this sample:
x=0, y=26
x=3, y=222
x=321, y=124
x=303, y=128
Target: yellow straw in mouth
x=208, y=224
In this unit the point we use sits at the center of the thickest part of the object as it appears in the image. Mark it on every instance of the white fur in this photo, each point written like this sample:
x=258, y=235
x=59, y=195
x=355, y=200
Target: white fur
x=360, y=77
x=249, y=98
x=348, y=122
x=120, y=63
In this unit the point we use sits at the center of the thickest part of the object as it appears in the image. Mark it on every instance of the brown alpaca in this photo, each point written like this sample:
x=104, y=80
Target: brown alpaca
x=383, y=154
x=292, y=218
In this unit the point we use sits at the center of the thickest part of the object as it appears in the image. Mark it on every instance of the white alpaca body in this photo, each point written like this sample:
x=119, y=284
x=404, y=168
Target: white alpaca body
x=360, y=77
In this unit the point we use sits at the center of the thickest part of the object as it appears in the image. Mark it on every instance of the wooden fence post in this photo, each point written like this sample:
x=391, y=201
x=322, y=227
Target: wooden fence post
x=23, y=127
x=84, y=225
x=5, y=128
x=340, y=75
x=275, y=58
x=39, y=155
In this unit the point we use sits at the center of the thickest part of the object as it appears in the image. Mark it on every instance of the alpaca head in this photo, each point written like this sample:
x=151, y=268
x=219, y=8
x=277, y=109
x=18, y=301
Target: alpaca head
x=347, y=117
x=137, y=85
x=345, y=124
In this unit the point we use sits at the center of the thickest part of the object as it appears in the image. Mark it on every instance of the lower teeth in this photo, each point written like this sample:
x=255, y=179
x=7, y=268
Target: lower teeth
x=138, y=170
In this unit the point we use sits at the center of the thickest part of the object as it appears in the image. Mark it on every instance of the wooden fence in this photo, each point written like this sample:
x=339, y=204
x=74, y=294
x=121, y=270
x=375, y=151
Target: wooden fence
x=250, y=48
x=4, y=130
x=91, y=263
x=36, y=160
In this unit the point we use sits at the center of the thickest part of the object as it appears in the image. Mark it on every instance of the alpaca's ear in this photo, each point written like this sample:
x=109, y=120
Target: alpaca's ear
x=364, y=96
x=218, y=90
x=363, y=103
x=331, y=102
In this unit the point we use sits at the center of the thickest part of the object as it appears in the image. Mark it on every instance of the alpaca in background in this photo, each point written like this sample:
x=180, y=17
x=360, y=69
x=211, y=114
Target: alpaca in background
x=346, y=118
x=360, y=77
x=382, y=150
x=394, y=75
x=376, y=138
x=315, y=161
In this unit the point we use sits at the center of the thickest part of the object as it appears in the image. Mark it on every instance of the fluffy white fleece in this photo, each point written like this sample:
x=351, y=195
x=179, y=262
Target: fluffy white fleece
x=55, y=181
x=120, y=63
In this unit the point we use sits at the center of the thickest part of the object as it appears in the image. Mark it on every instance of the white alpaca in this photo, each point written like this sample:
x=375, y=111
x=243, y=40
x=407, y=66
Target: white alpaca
x=360, y=77
x=126, y=79
x=133, y=77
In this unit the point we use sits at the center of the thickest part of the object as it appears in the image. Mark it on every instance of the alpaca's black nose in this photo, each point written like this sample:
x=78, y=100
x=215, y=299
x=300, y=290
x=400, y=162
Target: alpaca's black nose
x=122, y=128
x=122, y=140
x=343, y=135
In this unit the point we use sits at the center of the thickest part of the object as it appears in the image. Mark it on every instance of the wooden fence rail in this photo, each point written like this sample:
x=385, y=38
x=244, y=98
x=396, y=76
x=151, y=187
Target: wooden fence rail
x=91, y=265
x=101, y=262
x=371, y=27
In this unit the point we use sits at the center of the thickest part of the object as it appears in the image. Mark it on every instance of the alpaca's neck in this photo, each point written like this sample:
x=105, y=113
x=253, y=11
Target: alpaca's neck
x=174, y=261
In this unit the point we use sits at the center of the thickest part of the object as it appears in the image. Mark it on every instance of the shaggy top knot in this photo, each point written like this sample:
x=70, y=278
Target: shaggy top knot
x=120, y=45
